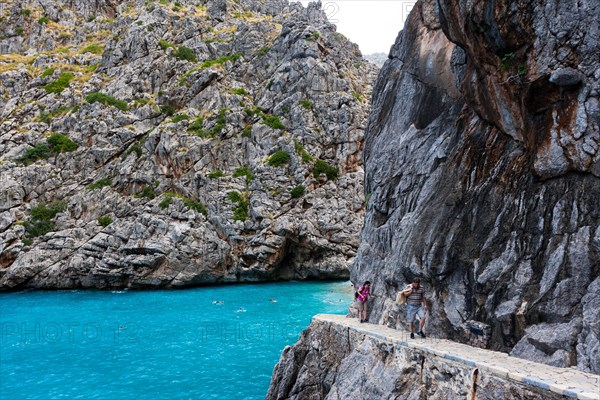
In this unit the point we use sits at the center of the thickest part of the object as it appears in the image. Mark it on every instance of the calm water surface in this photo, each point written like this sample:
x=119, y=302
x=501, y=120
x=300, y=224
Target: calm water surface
x=187, y=344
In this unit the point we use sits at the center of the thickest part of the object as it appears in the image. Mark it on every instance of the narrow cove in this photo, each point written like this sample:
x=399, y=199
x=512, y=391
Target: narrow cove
x=204, y=343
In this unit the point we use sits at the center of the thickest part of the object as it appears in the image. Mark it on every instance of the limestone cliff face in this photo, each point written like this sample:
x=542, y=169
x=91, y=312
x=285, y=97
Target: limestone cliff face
x=483, y=175
x=337, y=361
x=167, y=144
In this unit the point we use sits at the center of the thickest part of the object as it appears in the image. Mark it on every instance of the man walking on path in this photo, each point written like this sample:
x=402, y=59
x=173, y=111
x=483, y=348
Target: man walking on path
x=416, y=306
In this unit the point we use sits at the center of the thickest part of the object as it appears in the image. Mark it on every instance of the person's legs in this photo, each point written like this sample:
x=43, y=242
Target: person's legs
x=421, y=315
x=411, y=311
x=362, y=305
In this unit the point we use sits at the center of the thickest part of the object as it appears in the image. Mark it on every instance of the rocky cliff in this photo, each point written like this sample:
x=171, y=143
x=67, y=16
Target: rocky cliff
x=168, y=144
x=340, y=358
x=482, y=177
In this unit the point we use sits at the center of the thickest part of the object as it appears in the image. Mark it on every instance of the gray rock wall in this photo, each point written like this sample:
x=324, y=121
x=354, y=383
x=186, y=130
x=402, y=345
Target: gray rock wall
x=331, y=361
x=187, y=193
x=482, y=174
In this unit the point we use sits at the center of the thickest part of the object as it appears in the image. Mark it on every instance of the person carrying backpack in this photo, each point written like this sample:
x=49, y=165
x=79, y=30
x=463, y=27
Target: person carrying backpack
x=362, y=297
x=416, y=306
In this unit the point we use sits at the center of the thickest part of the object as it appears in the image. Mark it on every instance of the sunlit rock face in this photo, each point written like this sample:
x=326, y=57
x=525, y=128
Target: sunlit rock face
x=482, y=174
x=215, y=141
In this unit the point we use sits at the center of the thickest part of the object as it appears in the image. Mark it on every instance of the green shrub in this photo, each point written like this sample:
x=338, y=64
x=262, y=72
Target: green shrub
x=166, y=202
x=60, y=143
x=40, y=151
x=306, y=158
x=357, y=96
x=240, y=91
x=507, y=61
x=240, y=208
x=92, y=48
x=195, y=205
x=180, y=117
x=305, y=103
x=185, y=53
x=297, y=191
x=247, y=132
x=244, y=171
x=183, y=80
x=168, y=109
x=43, y=20
x=100, y=183
x=315, y=36
x=140, y=102
x=216, y=174
x=44, y=117
x=47, y=72
x=136, y=148
x=196, y=126
x=37, y=228
x=251, y=112
x=57, y=143
x=60, y=83
x=263, y=51
x=217, y=128
x=190, y=204
x=272, y=121
x=221, y=60
x=25, y=12
x=40, y=221
x=107, y=100
x=164, y=44
x=19, y=31
x=147, y=192
x=105, y=221
x=43, y=212
x=279, y=158
x=321, y=167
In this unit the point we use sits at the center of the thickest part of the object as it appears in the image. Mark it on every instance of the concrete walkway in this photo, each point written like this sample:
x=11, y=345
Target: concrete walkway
x=565, y=381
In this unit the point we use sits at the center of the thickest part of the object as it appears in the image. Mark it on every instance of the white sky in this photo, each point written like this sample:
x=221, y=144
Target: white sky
x=372, y=24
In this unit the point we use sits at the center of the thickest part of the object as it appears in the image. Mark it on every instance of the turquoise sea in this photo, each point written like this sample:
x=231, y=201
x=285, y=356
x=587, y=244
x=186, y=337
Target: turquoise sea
x=185, y=344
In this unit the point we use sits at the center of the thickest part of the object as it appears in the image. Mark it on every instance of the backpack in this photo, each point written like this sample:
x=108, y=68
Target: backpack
x=356, y=294
x=401, y=298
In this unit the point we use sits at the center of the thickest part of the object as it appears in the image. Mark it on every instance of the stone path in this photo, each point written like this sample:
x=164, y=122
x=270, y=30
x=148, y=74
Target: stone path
x=566, y=381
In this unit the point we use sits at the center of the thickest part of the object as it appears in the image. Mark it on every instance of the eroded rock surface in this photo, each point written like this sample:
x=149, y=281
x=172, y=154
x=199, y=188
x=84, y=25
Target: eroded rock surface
x=483, y=175
x=216, y=141
x=331, y=361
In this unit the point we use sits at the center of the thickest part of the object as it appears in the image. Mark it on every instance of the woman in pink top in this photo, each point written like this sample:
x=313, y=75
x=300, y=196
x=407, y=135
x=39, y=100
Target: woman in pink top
x=363, y=296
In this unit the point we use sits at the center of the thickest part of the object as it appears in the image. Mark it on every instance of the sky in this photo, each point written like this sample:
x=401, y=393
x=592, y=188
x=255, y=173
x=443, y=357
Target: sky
x=372, y=24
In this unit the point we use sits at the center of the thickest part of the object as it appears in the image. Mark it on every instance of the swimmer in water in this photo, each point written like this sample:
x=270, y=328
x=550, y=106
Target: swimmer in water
x=273, y=300
x=241, y=309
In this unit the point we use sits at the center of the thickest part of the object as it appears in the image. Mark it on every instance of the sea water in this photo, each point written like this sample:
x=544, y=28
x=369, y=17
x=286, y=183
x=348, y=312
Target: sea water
x=204, y=343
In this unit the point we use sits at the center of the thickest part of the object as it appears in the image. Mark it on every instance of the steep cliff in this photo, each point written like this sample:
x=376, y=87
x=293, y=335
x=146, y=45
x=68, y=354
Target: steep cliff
x=483, y=175
x=167, y=144
x=482, y=178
